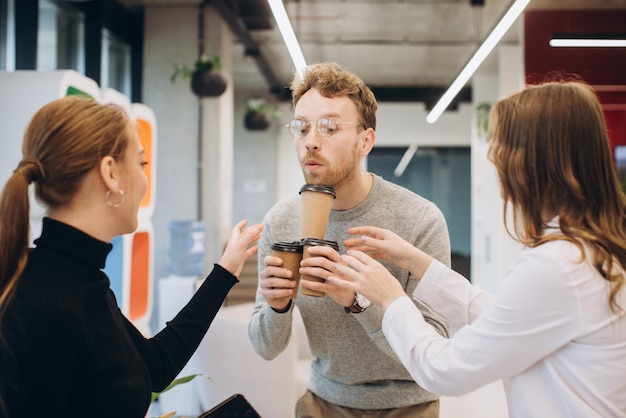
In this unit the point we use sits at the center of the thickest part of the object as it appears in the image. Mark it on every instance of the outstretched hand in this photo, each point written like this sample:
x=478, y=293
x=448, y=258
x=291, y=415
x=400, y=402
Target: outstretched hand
x=239, y=247
x=383, y=244
x=359, y=272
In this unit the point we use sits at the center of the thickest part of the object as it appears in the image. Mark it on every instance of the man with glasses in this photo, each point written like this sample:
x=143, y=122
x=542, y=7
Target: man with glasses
x=355, y=372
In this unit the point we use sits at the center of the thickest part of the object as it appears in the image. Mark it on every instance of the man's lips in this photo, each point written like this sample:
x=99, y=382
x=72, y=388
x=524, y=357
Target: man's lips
x=312, y=164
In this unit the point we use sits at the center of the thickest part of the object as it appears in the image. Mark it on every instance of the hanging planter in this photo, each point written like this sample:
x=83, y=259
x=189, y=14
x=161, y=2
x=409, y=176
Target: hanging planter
x=256, y=121
x=258, y=115
x=208, y=83
x=206, y=79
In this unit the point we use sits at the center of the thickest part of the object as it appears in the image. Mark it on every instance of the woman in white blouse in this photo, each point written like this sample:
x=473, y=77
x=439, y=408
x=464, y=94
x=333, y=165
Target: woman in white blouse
x=556, y=330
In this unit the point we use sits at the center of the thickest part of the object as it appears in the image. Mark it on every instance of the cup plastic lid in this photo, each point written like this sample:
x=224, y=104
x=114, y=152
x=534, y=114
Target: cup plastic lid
x=318, y=188
x=322, y=242
x=293, y=246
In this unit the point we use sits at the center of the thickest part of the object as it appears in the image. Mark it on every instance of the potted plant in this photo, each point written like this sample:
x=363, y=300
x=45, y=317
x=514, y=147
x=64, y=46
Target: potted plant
x=258, y=115
x=206, y=79
x=482, y=119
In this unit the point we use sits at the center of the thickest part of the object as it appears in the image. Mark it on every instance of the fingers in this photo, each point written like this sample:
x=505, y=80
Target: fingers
x=345, y=277
x=273, y=268
x=324, y=251
x=277, y=283
x=372, y=231
x=276, y=290
x=342, y=283
x=357, y=259
x=274, y=275
x=251, y=251
x=321, y=262
x=241, y=225
x=365, y=243
x=253, y=232
x=340, y=294
x=354, y=268
x=320, y=272
x=367, y=249
x=270, y=260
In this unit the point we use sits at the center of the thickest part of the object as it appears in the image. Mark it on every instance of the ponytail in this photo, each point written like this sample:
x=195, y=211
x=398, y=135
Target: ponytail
x=14, y=227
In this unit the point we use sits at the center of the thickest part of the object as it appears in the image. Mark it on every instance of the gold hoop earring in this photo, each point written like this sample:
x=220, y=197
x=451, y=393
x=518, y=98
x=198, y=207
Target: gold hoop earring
x=107, y=197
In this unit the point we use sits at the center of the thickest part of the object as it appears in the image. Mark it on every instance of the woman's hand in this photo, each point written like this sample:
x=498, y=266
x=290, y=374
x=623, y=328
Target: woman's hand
x=238, y=248
x=359, y=272
x=383, y=244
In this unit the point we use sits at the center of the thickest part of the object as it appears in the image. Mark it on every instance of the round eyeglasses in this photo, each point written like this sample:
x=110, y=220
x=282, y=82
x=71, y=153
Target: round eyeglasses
x=299, y=128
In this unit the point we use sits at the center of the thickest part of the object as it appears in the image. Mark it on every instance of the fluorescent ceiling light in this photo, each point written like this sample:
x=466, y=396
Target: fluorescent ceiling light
x=289, y=37
x=595, y=40
x=405, y=160
x=479, y=56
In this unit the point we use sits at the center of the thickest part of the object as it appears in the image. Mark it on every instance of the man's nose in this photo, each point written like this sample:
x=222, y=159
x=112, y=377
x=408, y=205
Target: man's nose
x=312, y=138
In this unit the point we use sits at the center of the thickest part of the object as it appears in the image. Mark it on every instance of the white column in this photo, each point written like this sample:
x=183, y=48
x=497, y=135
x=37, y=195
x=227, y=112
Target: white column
x=217, y=143
x=493, y=250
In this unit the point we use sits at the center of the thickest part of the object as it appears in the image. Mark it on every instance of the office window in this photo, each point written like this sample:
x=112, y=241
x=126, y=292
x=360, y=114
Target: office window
x=7, y=35
x=60, y=38
x=439, y=174
x=116, y=66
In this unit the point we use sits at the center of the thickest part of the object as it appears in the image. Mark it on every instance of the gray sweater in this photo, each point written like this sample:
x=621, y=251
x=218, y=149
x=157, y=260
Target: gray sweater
x=354, y=365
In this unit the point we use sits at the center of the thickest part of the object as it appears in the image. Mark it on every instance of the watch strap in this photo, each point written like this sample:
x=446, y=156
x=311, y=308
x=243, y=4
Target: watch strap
x=355, y=307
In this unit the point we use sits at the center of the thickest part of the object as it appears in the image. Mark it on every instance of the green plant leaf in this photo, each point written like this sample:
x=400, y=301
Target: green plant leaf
x=181, y=71
x=202, y=64
x=176, y=382
x=268, y=110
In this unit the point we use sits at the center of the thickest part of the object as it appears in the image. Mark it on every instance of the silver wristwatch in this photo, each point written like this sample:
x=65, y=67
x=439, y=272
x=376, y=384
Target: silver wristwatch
x=360, y=304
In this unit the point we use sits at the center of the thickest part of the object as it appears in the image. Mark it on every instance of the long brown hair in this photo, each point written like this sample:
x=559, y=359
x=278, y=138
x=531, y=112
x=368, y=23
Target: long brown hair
x=64, y=140
x=334, y=81
x=551, y=149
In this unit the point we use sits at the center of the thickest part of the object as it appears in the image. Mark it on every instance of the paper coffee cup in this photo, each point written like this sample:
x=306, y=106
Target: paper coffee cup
x=291, y=254
x=316, y=201
x=306, y=244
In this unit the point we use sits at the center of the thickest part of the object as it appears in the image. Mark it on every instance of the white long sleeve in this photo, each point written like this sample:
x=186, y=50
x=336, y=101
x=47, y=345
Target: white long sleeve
x=456, y=299
x=549, y=330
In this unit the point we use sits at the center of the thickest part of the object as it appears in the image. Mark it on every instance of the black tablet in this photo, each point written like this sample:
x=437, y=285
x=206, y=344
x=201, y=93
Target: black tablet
x=237, y=406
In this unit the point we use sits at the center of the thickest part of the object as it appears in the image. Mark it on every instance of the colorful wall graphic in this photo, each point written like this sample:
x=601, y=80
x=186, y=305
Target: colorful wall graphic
x=130, y=263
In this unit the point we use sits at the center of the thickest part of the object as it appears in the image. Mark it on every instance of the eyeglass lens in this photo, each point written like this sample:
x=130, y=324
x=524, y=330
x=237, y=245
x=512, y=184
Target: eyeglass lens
x=324, y=126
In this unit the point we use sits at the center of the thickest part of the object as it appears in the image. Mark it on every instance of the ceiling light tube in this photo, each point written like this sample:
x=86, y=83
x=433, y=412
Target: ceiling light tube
x=405, y=160
x=595, y=40
x=289, y=37
x=479, y=56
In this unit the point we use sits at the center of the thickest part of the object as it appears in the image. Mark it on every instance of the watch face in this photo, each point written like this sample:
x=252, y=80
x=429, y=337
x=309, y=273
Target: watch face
x=362, y=301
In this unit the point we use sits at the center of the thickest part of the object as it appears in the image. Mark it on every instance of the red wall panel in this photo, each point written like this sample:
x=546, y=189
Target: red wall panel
x=604, y=68
x=596, y=65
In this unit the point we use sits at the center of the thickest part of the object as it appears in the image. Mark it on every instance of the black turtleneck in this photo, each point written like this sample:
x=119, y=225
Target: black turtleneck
x=67, y=350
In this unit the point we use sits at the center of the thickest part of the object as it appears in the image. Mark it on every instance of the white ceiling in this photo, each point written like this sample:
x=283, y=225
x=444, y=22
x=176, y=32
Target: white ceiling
x=389, y=43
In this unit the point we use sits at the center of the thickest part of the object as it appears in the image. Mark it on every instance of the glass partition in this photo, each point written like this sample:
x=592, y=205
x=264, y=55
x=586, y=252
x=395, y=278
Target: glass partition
x=115, y=69
x=7, y=35
x=60, y=38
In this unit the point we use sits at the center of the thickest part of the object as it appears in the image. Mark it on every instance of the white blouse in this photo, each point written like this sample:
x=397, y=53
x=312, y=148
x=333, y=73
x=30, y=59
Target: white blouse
x=548, y=333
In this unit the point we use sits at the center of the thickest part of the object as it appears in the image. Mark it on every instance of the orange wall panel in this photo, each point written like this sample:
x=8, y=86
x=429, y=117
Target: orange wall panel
x=144, y=130
x=140, y=276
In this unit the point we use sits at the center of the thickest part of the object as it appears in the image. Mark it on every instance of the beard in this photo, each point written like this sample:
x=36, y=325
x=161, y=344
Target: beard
x=332, y=175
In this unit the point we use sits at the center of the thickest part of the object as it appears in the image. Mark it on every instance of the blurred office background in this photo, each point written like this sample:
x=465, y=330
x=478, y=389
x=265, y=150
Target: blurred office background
x=213, y=169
